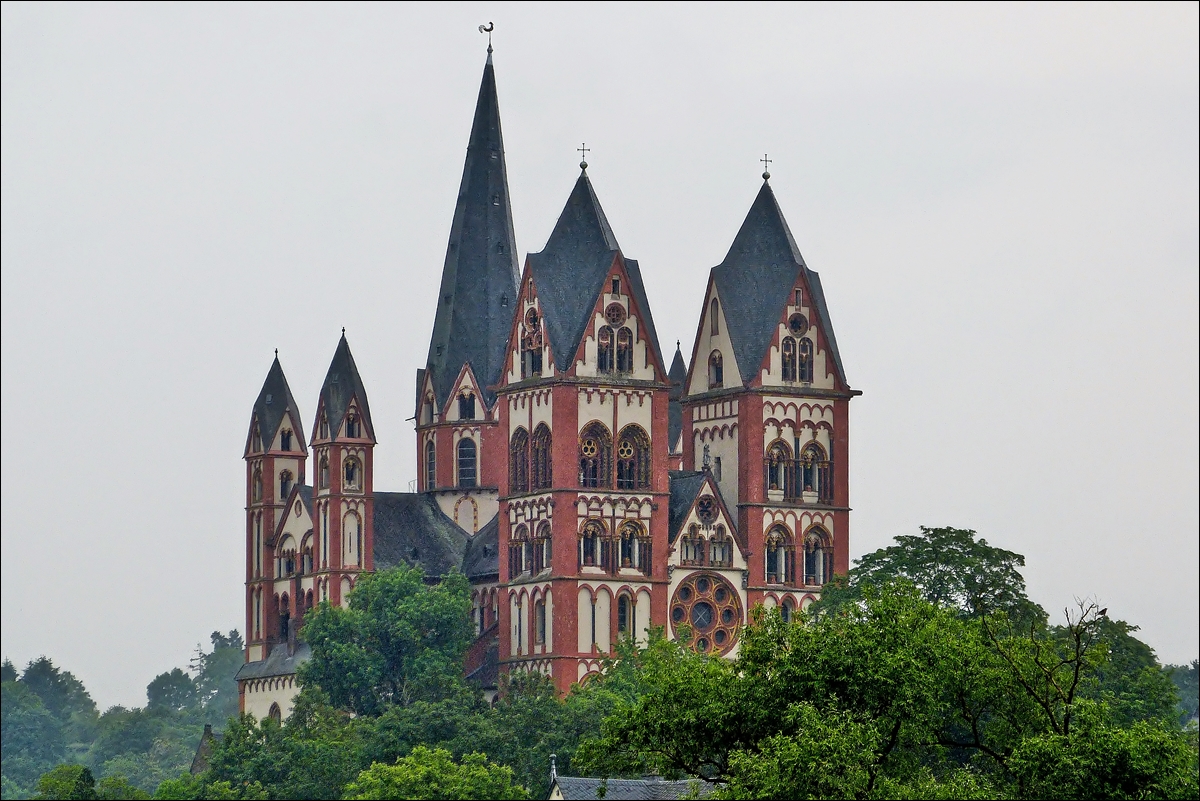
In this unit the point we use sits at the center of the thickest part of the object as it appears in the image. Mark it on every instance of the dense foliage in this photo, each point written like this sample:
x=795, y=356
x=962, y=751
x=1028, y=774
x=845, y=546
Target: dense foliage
x=925, y=673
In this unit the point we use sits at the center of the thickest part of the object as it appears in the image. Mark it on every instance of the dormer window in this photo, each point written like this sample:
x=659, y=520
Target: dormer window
x=285, y=440
x=466, y=406
x=353, y=427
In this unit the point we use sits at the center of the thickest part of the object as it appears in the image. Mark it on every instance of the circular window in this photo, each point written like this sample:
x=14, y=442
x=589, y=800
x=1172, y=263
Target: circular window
x=706, y=509
x=797, y=324
x=589, y=447
x=709, y=605
x=625, y=450
x=614, y=314
x=531, y=320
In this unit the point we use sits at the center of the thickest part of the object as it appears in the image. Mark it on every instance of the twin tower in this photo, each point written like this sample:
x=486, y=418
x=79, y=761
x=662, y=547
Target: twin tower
x=588, y=491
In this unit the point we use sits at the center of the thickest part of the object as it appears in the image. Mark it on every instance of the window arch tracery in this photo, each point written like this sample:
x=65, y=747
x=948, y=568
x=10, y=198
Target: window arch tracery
x=542, y=544
x=624, y=351
x=806, y=360
x=633, y=458
x=430, y=465
x=710, y=609
x=542, y=477
x=518, y=551
x=604, y=349
x=818, y=557
x=780, y=556
x=518, y=462
x=595, y=456
x=352, y=472
x=532, y=343
x=256, y=485
x=593, y=545
x=634, y=547
x=323, y=473
x=787, y=352
x=285, y=484
x=779, y=467
x=353, y=426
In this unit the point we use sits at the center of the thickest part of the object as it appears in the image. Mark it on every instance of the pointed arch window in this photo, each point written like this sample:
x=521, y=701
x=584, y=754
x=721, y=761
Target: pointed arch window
x=780, y=556
x=466, y=406
x=430, y=465
x=815, y=473
x=714, y=317
x=353, y=426
x=353, y=473
x=531, y=343
x=285, y=484
x=466, y=463
x=716, y=370
x=595, y=456
x=256, y=485
x=518, y=462
x=788, y=354
x=818, y=558
x=323, y=473
x=624, y=351
x=274, y=713
x=806, y=360
x=633, y=459
x=285, y=440
x=634, y=547
x=604, y=349
x=779, y=467
x=541, y=477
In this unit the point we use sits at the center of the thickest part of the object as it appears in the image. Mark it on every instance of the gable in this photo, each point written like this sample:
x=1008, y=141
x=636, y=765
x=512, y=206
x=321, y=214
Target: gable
x=528, y=329
x=617, y=307
x=712, y=339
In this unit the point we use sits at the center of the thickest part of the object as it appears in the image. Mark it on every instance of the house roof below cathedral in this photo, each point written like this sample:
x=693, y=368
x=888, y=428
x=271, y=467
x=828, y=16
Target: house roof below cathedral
x=411, y=529
x=274, y=401
x=756, y=279
x=569, y=273
x=342, y=383
x=278, y=662
x=652, y=788
x=482, y=558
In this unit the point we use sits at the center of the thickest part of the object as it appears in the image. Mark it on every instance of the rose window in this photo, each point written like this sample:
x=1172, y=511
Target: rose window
x=797, y=324
x=710, y=606
x=706, y=509
x=589, y=448
x=615, y=314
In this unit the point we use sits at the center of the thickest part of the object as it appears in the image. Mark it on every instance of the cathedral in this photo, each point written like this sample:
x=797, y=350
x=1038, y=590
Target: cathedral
x=588, y=491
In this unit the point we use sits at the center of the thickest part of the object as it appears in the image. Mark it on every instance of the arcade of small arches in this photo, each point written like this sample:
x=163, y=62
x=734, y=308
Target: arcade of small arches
x=629, y=548
x=701, y=548
x=806, y=477
x=810, y=565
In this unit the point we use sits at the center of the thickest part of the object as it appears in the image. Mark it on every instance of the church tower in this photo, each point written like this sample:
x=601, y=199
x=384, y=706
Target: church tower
x=766, y=410
x=460, y=451
x=275, y=460
x=583, y=409
x=343, y=446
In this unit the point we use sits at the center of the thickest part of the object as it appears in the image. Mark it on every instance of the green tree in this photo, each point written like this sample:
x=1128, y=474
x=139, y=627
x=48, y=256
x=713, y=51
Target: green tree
x=66, y=782
x=64, y=696
x=215, y=670
x=31, y=738
x=400, y=641
x=173, y=692
x=117, y=788
x=1186, y=679
x=7, y=671
x=433, y=774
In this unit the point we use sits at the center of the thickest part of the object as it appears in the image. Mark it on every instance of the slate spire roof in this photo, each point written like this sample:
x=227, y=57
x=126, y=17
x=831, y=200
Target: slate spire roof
x=342, y=383
x=756, y=279
x=480, y=278
x=274, y=401
x=569, y=273
x=678, y=373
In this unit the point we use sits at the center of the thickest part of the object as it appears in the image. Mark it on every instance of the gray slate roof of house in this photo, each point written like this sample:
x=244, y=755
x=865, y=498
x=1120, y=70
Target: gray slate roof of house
x=676, y=378
x=482, y=558
x=755, y=281
x=305, y=492
x=572, y=787
x=277, y=663
x=569, y=274
x=274, y=400
x=480, y=277
x=342, y=382
x=410, y=528
x=685, y=486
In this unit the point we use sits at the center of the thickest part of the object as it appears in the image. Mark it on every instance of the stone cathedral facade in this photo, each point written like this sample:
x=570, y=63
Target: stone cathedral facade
x=587, y=490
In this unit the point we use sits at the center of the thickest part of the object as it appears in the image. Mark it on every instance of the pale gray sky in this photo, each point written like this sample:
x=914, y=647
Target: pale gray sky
x=1001, y=201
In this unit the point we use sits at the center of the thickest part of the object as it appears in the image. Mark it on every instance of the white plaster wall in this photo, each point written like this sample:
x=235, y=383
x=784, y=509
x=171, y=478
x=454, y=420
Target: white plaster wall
x=258, y=701
x=587, y=367
x=286, y=424
x=773, y=375
x=709, y=342
x=466, y=381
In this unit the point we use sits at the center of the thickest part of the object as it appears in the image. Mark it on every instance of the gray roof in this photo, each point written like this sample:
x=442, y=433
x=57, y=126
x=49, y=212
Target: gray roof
x=342, y=383
x=480, y=278
x=274, y=400
x=685, y=486
x=482, y=559
x=676, y=378
x=573, y=787
x=487, y=675
x=755, y=281
x=410, y=528
x=569, y=274
x=277, y=663
x=305, y=493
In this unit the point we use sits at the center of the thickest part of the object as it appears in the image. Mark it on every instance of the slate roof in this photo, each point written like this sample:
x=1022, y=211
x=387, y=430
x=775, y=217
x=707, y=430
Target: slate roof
x=305, y=492
x=274, y=400
x=410, y=528
x=755, y=280
x=342, y=382
x=676, y=378
x=277, y=663
x=482, y=558
x=572, y=787
x=569, y=274
x=685, y=486
x=480, y=277
x=487, y=675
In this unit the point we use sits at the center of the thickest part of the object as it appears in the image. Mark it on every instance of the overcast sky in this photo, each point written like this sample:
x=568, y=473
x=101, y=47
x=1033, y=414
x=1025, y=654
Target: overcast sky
x=1001, y=202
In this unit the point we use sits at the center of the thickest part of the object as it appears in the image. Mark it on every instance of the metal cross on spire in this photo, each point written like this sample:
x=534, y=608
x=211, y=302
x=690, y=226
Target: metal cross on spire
x=488, y=30
x=766, y=161
x=583, y=151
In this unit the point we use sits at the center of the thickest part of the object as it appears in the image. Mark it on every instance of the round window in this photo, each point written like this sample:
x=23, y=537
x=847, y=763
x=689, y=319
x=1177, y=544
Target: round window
x=711, y=610
x=797, y=324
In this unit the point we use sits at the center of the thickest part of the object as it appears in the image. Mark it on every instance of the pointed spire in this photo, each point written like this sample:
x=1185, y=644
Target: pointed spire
x=274, y=402
x=678, y=372
x=342, y=384
x=480, y=277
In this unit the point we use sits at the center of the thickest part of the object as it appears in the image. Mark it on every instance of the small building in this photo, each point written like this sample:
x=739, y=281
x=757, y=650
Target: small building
x=569, y=788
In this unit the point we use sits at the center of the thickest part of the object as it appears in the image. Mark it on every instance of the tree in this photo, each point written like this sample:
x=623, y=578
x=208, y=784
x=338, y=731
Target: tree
x=433, y=774
x=1186, y=679
x=31, y=739
x=7, y=671
x=216, y=671
x=400, y=641
x=64, y=696
x=173, y=692
x=67, y=782
x=950, y=567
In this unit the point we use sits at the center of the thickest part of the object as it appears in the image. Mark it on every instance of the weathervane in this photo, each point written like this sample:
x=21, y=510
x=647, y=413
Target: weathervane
x=583, y=151
x=488, y=30
x=766, y=161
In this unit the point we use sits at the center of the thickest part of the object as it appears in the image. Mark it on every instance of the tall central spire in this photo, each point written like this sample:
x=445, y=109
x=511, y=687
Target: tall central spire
x=480, y=277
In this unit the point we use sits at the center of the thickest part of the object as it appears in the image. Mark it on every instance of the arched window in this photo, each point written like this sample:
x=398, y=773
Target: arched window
x=716, y=372
x=542, y=473
x=788, y=354
x=256, y=442
x=593, y=546
x=720, y=550
x=806, y=360
x=786, y=609
x=285, y=440
x=466, y=406
x=714, y=317
x=624, y=351
x=353, y=473
x=539, y=618
x=353, y=427
x=466, y=463
x=323, y=427
x=541, y=548
x=780, y=556
x=779, y=467
x=692, y=547
x=430, y=465
x=604, y=350
x=633, y=459
x=517, y=548
x=626, y=616
x=518, y=462
x=595, y=456
x=323, y=473
x=285, y=484
x=629, y=544
x=256, y=485
x=818, y=558
x=531, y=345
x=275, y=714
